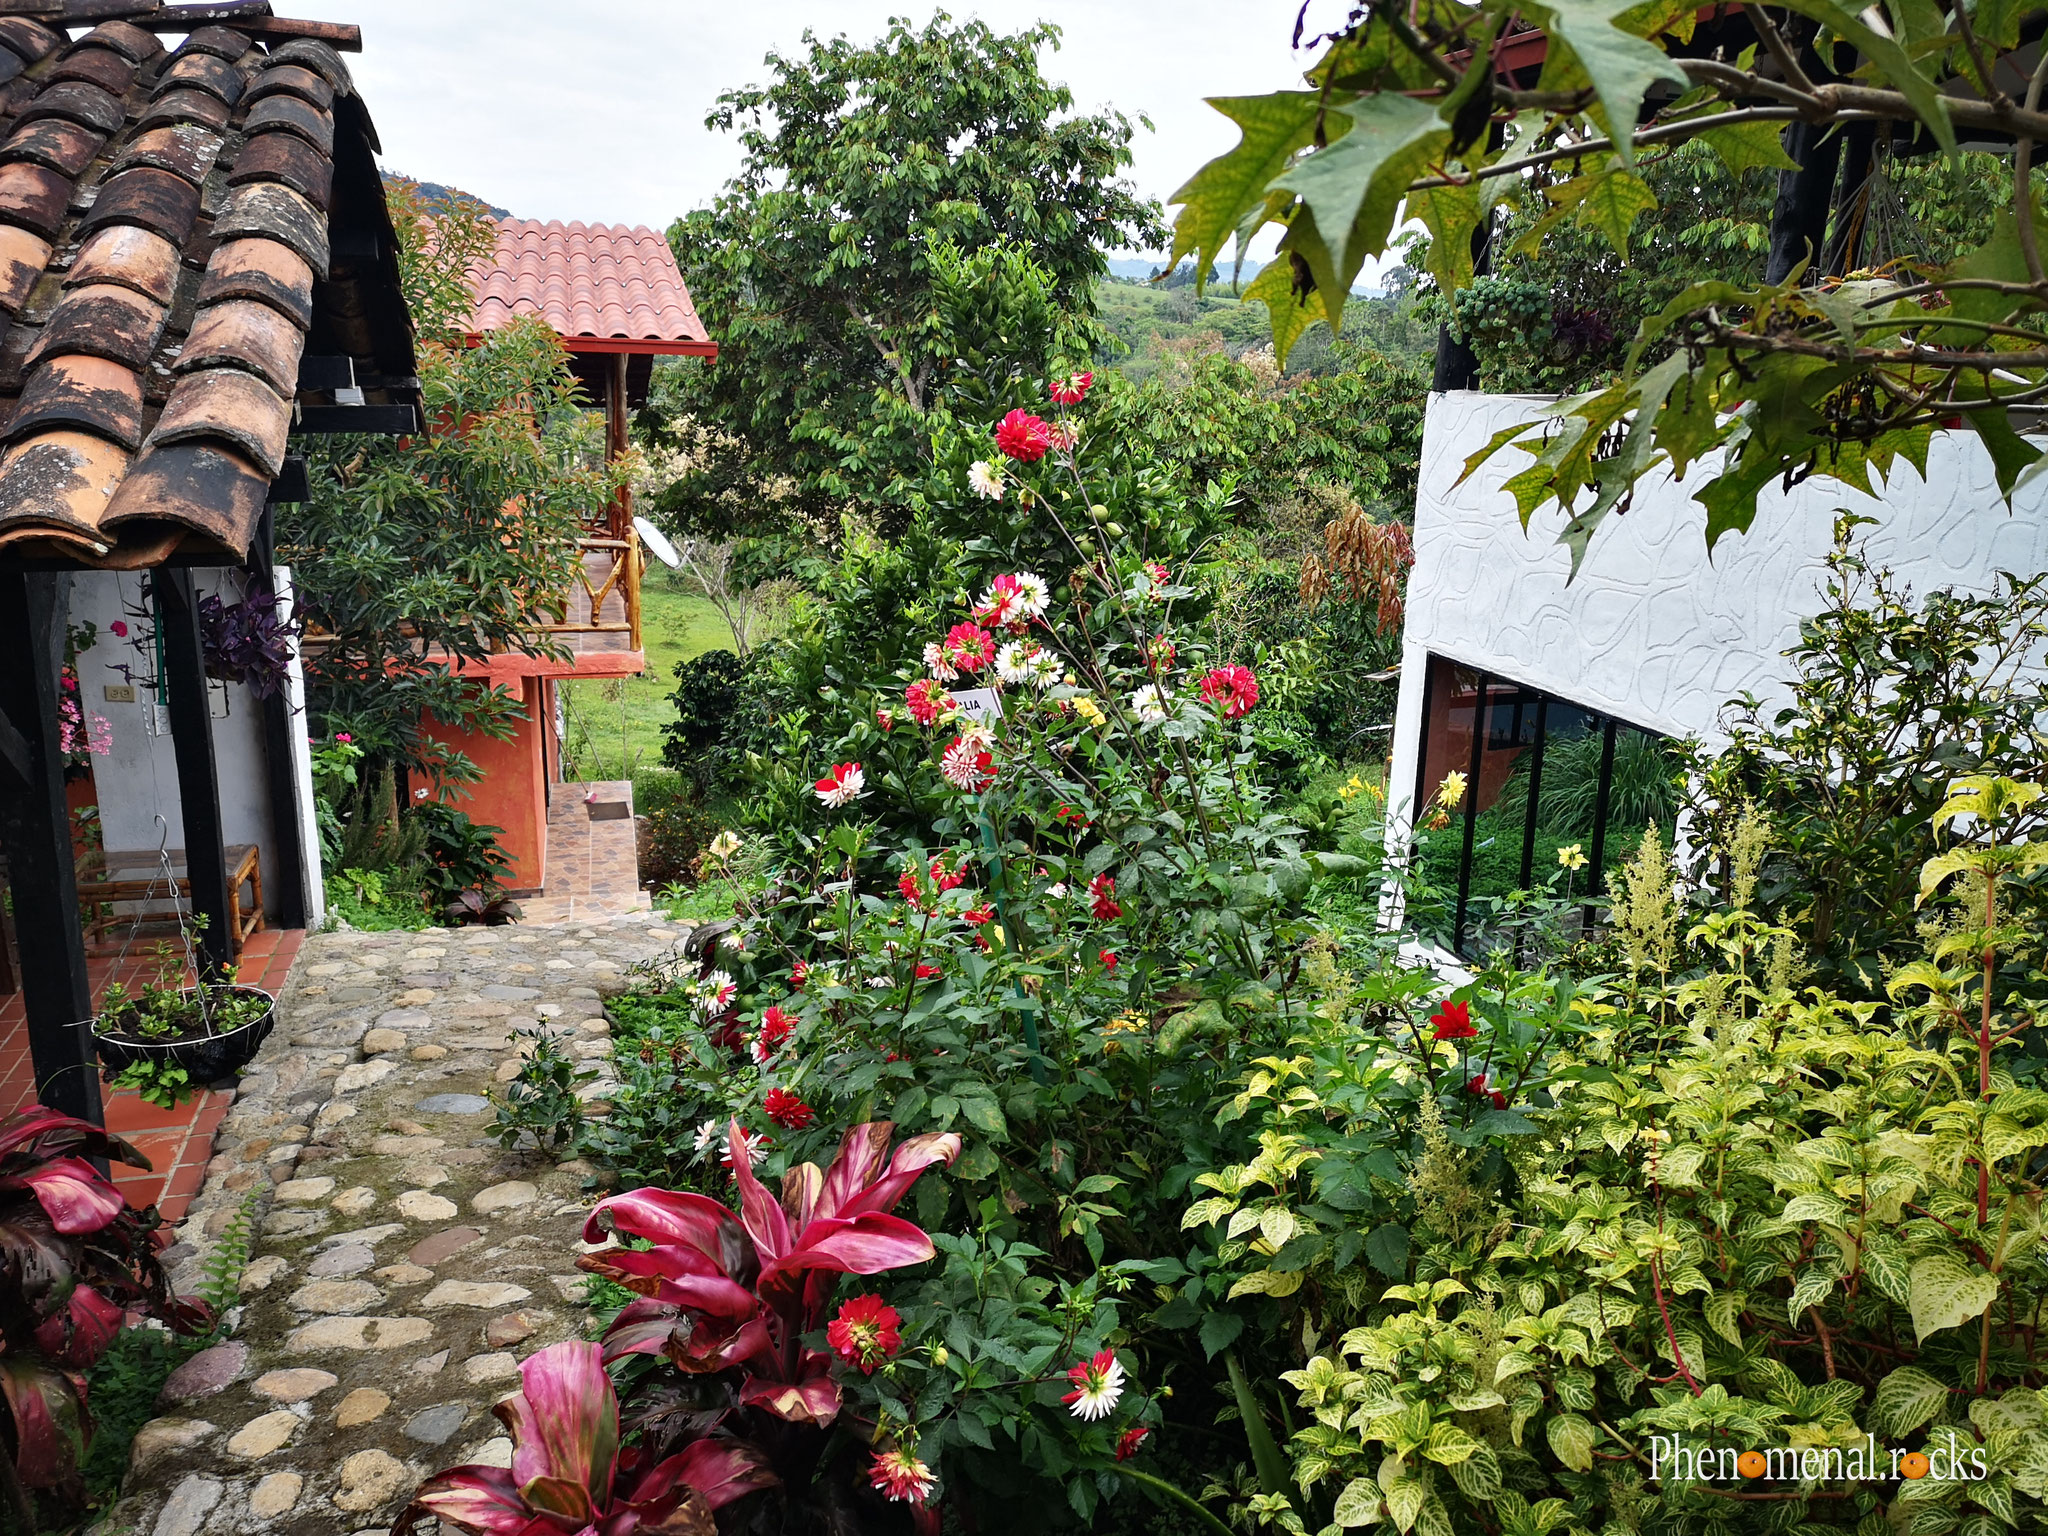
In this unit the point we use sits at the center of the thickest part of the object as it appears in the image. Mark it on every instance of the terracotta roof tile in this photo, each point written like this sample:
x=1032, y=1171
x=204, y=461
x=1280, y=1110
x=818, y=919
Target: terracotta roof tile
x=162, y=219
x=588, y=281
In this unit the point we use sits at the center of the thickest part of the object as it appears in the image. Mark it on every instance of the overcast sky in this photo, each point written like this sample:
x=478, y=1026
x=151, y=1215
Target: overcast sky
x=567, y=109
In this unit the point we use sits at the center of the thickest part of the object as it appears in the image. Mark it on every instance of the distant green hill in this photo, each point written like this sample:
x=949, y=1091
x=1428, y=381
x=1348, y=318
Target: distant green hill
x=1157, y=326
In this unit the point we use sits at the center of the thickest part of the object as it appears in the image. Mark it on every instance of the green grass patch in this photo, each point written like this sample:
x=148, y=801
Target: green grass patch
x=615, y=723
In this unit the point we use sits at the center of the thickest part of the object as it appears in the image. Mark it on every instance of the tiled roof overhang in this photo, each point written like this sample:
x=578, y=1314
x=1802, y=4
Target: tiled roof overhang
x=603, y=288
x=178, y=230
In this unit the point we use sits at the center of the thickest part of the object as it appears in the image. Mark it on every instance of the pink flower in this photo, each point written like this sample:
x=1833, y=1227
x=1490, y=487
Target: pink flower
x=787, y=1110
x=1021, y=435
x=1071, y=390
x=969, y=647
x=967, y=765
x=343, y=736
x=865, y=1333
x=1102, y=899
x=1160, y=653
x=928, y=699
x=901, y=1476
x=120, y=627
x=1232, y=689
x=1098, y=1383
x=842, y=786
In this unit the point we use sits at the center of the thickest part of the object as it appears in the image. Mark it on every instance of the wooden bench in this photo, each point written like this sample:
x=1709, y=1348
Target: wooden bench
x=110, y=876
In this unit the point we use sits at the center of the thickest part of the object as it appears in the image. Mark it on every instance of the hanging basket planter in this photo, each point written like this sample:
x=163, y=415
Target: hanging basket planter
x=206, y=1052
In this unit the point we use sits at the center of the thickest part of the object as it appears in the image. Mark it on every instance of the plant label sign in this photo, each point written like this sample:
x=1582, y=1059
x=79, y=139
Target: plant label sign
x=978, y=704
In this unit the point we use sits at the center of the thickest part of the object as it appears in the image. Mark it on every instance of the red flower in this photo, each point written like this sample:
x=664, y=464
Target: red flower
x=1161, y=653
x=927, y=972
x=979, y=915
x=1128, y=1442
x=865, y=1333
x=799, y=974
x=1102, y=899
x=776, y=1025
x=1480, y=1087
x=1021, y=435
x=845, y=784
x=946, y=879
x=886, y=719
x=787, y=1110
x=1453, y=1021
x=901, y=1476
x=1072, y=813
x=928, y=699
x=1232, y=689
x=120, y=627
x=1071, y=390
x=1108, y=959
x=907, y=884
x=969, y=647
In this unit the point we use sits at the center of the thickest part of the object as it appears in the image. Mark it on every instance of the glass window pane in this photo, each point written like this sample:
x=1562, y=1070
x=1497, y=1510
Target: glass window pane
x=1643, y=793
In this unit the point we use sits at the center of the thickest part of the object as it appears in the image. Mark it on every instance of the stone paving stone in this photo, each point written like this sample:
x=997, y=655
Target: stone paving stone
x=376, y=1347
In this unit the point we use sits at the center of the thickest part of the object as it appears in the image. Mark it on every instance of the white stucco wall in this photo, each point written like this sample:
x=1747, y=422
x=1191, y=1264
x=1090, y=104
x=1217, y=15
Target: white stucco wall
x=1652, y=630
x=137, y=779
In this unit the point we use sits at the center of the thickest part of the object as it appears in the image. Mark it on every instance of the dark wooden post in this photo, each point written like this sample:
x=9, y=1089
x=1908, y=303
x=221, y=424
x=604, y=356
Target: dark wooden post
x=177, y=608
x=36, y=828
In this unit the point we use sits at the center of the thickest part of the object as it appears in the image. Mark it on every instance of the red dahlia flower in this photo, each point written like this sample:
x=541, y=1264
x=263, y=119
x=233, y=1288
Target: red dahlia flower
x=1231, y=689
x=1023, y=436
x=901, y=1476
x=969, y=647
x=787, y=1110
x=1102, y=899
x=1479, y=1087
x=799, y=974
x=1128, y=1442
x=928, y=700
x=1071, y=390
x=865, y=1333
x=1108, y=959
x=845, y=784
x=776, y=1025
x=1453, y=1021
x=979, y=915
x=927, y=972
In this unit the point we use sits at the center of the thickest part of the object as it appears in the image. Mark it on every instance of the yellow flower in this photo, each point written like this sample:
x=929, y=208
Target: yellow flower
x=1452, y=790
x=1090, y=711
x=1570, y=857
x=1351, y=788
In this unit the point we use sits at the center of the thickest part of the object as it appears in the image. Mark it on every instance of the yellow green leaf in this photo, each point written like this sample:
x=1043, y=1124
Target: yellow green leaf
x=1612, y=203
x=1745, y=147
x=1272, y=128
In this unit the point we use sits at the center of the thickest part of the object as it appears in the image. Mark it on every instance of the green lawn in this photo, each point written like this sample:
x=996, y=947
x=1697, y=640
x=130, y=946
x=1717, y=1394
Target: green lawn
x=617, y=721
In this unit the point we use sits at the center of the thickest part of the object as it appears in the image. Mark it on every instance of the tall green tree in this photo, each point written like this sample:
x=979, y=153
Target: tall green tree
x=817, y=268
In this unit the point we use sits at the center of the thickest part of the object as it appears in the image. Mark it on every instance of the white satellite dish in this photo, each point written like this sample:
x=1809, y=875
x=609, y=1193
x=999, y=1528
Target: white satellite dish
x=657, y=542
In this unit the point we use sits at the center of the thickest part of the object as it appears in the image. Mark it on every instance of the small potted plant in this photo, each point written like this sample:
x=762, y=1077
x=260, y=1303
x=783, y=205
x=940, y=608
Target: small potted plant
x=170, y=1040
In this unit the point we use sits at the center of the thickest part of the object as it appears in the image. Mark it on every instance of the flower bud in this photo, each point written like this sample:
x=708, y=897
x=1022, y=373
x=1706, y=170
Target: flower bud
x=939, y=1355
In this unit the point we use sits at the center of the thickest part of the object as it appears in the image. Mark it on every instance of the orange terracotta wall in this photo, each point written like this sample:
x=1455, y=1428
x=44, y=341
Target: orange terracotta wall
x=513, y=793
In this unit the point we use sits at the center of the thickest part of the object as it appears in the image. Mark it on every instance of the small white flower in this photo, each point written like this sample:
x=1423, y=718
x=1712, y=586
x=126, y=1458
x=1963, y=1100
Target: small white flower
x=977, y=737
x=1044, y=670
x=734, y=940
x=1057, y=890
x=756, y=1144
x=879, y=982
x=985, y=479
x=1032, y=595
x=1014, y=661
x=707, y=1138
x=723, y=846
x=936, y=664
x=1150, y=704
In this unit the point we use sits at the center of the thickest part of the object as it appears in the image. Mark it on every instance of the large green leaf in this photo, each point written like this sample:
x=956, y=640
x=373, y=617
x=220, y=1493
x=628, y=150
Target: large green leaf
x=1621, y=68
x=1221, y=193
x=1906, y=1399
x=1572, y=1438
x=1730, y=497
x=1612, y=201
x=1354, y=185
x=1450, y=214
x=1287, y=311
x=1745, y=147
x=1947, y=1293
x=1890, y=61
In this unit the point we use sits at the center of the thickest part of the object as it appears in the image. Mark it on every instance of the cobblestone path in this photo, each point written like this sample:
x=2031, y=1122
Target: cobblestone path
x=404, y=1263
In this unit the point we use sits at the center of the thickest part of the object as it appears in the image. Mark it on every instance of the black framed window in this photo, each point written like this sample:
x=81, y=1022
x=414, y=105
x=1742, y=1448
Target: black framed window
x=1543, y=776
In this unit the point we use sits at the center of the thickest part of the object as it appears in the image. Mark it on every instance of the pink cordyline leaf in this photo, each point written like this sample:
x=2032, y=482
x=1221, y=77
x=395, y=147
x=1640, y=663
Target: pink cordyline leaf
x=44, y=1132
x=476, y=1498
x=638, y=1270
x=50, y=1422
x=813, y=1398
x=564, y=1423
x=674, y=1218
x=764, y=1219
x=721, y=1470
x=864, y=1245
x=77, y=1198
x=861, y=1154
x=86, y=1326
x=911, y=1160
x=690, y=1340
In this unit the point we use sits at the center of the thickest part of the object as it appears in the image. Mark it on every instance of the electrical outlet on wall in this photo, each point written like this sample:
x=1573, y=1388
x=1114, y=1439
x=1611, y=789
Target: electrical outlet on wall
x=119, y=693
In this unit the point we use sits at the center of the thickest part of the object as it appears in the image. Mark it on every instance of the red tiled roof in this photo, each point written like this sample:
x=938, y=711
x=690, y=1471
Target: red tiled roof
x=591, y=283
x=164, y=219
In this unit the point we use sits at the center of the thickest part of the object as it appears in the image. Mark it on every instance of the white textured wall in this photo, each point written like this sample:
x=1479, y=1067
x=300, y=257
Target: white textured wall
x=1651, y=630
x=138, y=778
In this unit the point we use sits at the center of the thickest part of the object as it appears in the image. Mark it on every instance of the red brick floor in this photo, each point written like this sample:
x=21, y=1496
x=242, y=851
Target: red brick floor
x=177, y=1142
